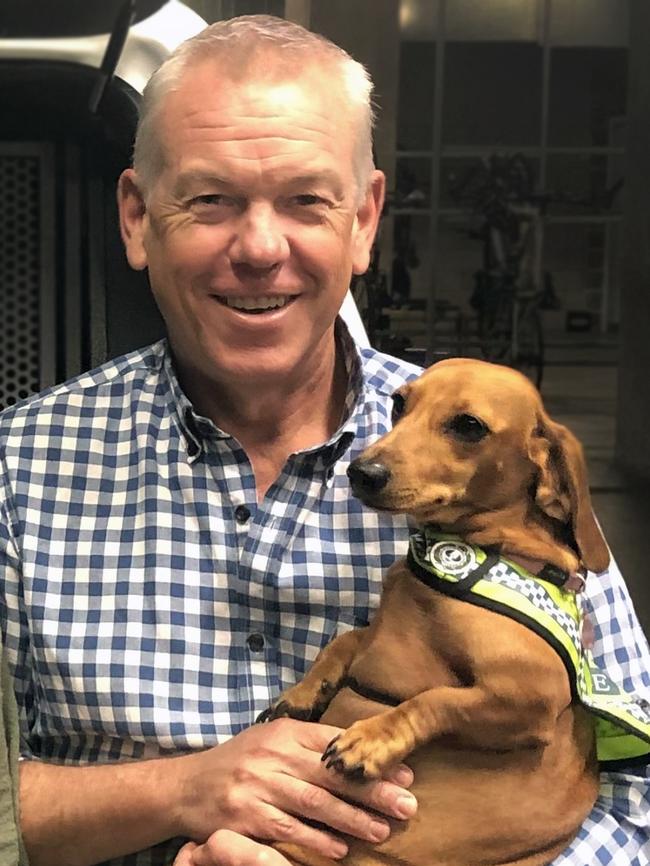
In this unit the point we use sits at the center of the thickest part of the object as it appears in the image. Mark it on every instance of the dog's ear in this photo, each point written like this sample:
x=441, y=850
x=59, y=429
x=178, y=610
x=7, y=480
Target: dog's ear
x=562, y=489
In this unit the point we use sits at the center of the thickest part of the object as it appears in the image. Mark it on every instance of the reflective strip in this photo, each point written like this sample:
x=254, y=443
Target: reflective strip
x=622, y=721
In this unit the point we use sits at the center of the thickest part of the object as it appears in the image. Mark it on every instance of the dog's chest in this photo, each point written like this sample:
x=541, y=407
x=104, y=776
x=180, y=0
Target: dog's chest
x=413, y=642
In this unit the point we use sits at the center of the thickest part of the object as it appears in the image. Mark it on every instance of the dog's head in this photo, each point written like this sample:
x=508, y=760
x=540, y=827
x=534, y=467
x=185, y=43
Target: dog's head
x=474, y=438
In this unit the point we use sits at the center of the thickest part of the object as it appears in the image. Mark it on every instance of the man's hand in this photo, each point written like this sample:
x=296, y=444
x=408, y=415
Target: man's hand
x=264, y=781
x=226, y=848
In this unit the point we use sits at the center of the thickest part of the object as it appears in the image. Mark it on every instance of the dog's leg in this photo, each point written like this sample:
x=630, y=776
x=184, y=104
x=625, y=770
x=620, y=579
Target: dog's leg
x=309, y=698
x=510, y=718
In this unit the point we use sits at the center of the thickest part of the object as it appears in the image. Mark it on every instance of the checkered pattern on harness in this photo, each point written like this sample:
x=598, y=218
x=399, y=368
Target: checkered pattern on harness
x=536, y=593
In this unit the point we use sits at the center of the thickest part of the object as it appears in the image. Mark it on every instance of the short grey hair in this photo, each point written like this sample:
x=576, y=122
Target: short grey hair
x=241, y=41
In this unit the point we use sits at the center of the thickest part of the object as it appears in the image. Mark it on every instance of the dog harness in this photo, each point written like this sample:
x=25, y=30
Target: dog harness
x=544, y=604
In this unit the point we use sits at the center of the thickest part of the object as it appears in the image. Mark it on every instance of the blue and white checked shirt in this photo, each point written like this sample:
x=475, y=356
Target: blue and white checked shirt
x=150, y=605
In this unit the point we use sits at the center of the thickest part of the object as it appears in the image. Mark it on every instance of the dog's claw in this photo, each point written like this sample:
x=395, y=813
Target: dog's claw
x=330, y=749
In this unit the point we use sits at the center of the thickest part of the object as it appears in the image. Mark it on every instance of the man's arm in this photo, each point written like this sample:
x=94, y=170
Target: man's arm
x=255, y=784
x=84, y=815
x=618, y=828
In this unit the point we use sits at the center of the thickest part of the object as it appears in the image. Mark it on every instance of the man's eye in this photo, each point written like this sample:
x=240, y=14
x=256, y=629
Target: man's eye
x=209, y=199
x=399, y=404
x=467, y=428
x=307, y=199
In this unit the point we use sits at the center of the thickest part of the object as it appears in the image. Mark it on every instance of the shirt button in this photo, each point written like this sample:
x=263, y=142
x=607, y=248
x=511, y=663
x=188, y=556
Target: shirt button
x=242, y=514
x=255, y=642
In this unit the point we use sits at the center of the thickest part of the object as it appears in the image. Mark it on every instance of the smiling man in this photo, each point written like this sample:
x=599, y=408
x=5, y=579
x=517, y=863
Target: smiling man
x=250, y=231
x=177, y=535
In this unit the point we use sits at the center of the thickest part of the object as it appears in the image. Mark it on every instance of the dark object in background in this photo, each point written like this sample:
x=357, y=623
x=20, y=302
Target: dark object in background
x=579, y=321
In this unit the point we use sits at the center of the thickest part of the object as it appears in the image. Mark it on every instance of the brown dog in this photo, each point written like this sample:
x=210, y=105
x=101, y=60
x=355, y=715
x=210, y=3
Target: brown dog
x=504, y=760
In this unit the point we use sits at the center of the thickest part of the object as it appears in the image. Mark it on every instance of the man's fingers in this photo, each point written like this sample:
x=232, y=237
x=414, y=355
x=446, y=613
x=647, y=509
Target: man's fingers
x=227, y=848
x=315, y=802
x=284, y=827
x=184, y=856
x=387, y=796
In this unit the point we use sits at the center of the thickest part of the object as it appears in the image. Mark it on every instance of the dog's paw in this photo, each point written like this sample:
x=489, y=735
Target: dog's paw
x=300, y=703
x=283, y=710
x=365, y=750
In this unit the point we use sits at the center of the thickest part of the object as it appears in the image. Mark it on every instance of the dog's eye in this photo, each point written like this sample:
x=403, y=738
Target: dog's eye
x=468, y=428
x=399, y=404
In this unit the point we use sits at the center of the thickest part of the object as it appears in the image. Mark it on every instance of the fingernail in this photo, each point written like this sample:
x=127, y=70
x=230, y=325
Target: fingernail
x=379, y=831
x=406, y=806
x=339, y=849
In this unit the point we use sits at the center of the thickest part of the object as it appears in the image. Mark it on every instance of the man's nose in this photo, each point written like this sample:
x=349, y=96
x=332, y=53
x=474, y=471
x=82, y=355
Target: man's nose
x=260, y=241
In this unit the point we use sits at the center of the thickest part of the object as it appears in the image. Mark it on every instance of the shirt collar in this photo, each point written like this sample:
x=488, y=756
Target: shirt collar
x=198, y=430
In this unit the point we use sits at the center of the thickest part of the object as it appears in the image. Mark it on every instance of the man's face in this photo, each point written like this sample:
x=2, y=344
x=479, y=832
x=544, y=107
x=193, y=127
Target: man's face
x=254, y=226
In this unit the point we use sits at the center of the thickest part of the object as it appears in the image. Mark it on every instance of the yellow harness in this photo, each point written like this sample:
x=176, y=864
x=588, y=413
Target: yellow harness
x=450, y=565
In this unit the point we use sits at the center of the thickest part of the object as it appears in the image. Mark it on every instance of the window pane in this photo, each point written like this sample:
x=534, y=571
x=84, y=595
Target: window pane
x=492, y=94
x=461, y=256
x=467, y=181
x=416, y=84
x=413, y=183
x=575, y=257
x=587, y=95
x=412, y=264
x=584, y=184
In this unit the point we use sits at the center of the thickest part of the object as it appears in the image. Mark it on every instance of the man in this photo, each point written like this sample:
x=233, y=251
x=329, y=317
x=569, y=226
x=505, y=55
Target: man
x=178, y=539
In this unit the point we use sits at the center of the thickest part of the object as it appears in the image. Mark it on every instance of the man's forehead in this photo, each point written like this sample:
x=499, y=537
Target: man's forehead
x=277, y=87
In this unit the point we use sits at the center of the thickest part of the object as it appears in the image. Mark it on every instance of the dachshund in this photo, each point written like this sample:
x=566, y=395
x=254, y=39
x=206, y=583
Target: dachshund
x=478, y=704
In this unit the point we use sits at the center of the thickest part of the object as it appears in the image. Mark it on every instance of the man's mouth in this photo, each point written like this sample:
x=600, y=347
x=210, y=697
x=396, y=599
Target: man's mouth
x=262, y=304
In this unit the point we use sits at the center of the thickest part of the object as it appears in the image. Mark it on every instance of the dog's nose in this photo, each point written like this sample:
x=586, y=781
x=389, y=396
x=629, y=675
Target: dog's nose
x=368, y=477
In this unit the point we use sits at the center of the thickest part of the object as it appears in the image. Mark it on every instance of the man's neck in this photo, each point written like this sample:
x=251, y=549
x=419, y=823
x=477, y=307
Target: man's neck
x=272, y=420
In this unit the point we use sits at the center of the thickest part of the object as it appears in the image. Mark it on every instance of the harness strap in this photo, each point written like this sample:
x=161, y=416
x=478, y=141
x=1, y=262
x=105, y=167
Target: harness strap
x=371, y=694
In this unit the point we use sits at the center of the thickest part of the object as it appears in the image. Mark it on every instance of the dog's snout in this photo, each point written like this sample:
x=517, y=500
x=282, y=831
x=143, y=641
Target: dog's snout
x=368, y=477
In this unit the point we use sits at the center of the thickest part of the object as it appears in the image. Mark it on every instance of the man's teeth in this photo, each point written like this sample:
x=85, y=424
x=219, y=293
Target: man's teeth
x=264, y=303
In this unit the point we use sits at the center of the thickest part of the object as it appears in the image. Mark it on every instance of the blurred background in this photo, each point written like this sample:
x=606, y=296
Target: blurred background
x=515, y=137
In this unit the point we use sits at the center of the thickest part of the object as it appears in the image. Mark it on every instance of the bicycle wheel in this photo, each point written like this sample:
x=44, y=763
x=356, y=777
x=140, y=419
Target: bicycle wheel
x=529, y=358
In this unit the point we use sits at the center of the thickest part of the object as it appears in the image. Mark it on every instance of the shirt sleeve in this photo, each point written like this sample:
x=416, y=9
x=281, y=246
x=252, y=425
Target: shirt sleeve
x=14, y=624
x=618, y=827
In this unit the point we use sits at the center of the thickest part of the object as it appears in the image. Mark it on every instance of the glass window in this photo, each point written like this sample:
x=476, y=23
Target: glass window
x=416, y=87
x=412, y=264
x=412, y=182
x=587, y=95
x=574, y=254
x=466, y=181
x=492, y=94
x=461, y=256
x=584, y=184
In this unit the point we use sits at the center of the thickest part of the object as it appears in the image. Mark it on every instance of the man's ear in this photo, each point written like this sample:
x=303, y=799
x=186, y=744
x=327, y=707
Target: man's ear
x=133, y=218
x=366, y=222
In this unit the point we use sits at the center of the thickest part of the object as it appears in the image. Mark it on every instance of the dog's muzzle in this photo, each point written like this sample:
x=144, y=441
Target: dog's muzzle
x=367, y=478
